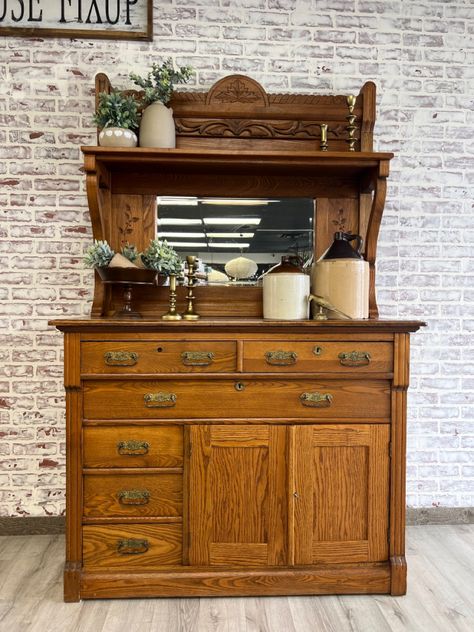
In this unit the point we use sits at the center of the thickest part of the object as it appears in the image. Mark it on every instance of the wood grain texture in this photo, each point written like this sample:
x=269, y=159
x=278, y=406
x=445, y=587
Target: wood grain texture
x=340, y=497
x=101, y=446
x=105, y=496
x=159, y=357
x=101, y=546
x=114, y=399
x=238, y=496
x=318, y=356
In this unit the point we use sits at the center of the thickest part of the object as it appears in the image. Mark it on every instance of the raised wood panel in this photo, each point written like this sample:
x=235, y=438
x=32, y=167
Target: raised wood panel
x=101, y=449
x=237, y=498
x=340, y=497
x=266, y=398
x=158, y=357
x=102, y=545
x=154, y=495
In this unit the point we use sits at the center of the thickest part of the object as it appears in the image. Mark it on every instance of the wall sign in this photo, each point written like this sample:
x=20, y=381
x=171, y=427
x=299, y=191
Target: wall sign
x=113, y=19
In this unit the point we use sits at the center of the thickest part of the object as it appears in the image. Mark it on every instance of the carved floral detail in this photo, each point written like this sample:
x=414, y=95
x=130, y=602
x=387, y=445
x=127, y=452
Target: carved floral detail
x=252, y=128
x=127, y=229
x=237, y=92
x=340, y=221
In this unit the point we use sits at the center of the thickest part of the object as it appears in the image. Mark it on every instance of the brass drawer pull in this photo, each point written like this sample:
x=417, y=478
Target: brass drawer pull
x=134, y=497
x=281, y=358
x=121, y=358
x=160, y=400
x=316, y=400
x=133, y=448
x=130, y=546
x=197, y=358
x=354, y=358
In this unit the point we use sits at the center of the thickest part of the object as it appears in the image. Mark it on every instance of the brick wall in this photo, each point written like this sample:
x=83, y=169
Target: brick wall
x=419, y=53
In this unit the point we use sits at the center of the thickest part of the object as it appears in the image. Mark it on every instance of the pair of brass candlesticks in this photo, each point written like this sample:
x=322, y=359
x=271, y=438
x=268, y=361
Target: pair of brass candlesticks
x=189, y=313
x=351, y=127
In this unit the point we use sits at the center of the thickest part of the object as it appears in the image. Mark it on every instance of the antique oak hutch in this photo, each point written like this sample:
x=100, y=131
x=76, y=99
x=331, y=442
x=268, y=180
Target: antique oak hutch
x=229, y=483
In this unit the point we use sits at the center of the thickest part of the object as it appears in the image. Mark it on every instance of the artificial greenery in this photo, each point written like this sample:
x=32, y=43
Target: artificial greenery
x=98, y=255
x=117, y=110
x=162, y=257
x=130, y=252
x=159, y=83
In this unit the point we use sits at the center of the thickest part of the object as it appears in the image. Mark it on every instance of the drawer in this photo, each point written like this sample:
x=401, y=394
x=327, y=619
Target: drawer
x=158, y=357
x=137, y=546
x=324, y=357
x=133, y=446
x=213, y=399
x=120, y=495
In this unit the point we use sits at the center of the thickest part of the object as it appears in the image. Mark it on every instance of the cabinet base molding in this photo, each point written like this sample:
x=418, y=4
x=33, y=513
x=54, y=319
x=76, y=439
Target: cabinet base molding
x=327, y=580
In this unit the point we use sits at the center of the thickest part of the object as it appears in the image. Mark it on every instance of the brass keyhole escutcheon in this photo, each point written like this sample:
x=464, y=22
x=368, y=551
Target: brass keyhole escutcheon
x=239, y=386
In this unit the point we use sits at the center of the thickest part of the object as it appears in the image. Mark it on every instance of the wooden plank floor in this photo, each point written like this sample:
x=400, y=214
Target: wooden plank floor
x=440, y=597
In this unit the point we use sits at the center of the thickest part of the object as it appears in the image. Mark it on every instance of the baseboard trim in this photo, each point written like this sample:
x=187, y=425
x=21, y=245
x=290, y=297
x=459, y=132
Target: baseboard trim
x=32, y=525
x=45, y=525
x=440, y=515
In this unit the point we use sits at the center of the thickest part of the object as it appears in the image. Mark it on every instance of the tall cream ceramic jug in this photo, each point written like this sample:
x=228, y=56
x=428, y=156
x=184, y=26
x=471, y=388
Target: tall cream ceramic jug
x=341, y=276
x=286, y=291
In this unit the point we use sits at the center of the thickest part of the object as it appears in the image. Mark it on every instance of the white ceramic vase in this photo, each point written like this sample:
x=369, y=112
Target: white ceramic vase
x=117, y=137
x=157, y=127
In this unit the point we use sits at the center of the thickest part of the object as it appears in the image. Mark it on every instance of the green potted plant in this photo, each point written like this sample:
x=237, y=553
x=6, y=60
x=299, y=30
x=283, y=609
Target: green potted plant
x=118, y=119
x=157, y=124
x=162, y=257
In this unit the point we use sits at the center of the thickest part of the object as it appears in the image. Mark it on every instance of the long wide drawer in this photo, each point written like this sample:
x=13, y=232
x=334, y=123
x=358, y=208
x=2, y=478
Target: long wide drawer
x=132, y=446
x=134, y=495
x=136, y=546
x=158, y=357
x=329, y=357
x=266, y=398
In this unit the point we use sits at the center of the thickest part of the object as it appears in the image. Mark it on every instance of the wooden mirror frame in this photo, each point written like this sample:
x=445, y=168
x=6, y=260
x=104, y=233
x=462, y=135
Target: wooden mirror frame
x=237, y=140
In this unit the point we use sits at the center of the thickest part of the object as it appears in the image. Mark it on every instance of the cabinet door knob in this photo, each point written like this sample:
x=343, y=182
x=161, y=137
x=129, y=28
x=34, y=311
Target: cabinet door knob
x=133, y=448
x=131, y=546
x=134, y=497
x=281, y=358
x=120, y=358
x=354, y=358
x=160, y=400
x=197, y=358
x=316, y=400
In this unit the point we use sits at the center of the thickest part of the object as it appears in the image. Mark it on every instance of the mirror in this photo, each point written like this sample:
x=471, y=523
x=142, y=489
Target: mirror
x=237, y=240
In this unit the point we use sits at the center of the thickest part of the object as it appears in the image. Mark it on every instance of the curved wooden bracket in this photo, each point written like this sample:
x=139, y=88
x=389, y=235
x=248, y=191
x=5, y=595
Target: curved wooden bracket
x=373, y=229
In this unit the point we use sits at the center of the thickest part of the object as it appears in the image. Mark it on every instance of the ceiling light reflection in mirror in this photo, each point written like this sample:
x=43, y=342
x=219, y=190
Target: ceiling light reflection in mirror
x=218, y=230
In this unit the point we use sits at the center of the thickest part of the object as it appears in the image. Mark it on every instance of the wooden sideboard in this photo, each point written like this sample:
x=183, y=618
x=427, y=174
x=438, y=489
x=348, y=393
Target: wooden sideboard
x=235, y=455
x=232, y=457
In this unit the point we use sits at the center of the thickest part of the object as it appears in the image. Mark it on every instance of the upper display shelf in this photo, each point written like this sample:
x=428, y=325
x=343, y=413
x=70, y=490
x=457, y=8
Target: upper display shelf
x=238, y=113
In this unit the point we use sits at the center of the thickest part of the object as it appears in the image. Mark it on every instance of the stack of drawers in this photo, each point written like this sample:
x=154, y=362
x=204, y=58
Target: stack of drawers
x=215, y=455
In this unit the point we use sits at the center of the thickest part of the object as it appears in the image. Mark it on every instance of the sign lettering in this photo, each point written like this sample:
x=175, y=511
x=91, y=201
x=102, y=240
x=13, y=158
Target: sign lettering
x=119, y=19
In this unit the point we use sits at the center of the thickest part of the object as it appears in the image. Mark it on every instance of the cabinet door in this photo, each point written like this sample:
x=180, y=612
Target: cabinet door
x=238, y=496
x=340, y=495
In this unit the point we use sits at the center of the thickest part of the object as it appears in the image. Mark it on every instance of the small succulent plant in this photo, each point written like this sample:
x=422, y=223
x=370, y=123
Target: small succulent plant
x=117, y=110
x=130, y=252
x=98, y=255
x=159, y=83
x=162, y=257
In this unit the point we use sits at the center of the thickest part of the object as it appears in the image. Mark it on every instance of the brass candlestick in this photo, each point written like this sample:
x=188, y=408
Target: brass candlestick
x=351, y=128
x=172, y=314
x=190, y=314
x=323, y=143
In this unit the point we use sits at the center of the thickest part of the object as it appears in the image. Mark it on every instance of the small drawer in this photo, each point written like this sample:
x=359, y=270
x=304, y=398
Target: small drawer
x=273, y=398
x=158, y=357
x=120, y=495
x=136, y=546
x=318, y=357
x=132, y=446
